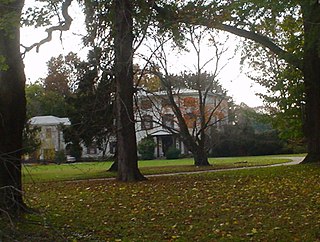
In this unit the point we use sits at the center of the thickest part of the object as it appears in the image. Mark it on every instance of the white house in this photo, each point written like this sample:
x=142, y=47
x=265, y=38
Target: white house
x=51, y=135
x=156, y=118
x=52, y=140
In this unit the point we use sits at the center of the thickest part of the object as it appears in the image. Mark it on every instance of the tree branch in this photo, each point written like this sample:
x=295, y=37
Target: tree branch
x=262, y=40
x=63, y=26
x=216, y=24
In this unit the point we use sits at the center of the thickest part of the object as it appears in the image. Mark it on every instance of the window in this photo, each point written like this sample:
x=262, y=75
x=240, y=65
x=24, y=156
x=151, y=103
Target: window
x=48, y=133
x=113, y=147
x=92, y=150
x=190, y=102
x=147, y=122
x=190, y=119
x=146, y=104
x=167, y=121
x=165, y=102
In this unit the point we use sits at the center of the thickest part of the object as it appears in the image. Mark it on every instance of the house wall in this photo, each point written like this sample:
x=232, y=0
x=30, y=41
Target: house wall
x=51, y=137
x=93, y=152
x=52, y=141
x=189, y=106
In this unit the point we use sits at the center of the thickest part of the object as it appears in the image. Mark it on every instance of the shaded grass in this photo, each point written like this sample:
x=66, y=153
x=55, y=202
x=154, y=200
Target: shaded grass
x=86, y=170
x=267, y=204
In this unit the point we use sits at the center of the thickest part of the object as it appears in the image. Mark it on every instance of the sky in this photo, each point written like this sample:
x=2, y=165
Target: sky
x=35, y=63
x=238, y=85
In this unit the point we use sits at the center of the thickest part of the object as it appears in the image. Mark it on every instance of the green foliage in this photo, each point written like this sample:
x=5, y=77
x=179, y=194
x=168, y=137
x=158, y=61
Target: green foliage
x=250, y=134
x=60, y=157
x=172, y=153
x=9, y=20
x=37, y=16
x=146, y=148
x=75, y=149
x=31, y=140
x=42, y=13
x=3, y=65
x=285, y=97
x=282, y=23
x=49, y=96
x=45, y=102
x=92, y=103
x=78, y=90
x=296, y=148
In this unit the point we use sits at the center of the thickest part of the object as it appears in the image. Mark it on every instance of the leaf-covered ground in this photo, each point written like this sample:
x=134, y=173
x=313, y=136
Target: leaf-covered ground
x=268, y=204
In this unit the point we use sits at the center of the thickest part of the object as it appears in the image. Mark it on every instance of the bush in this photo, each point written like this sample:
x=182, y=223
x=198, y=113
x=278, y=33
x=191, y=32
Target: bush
x=146, y=148
x=75, y=150
x=173, y=153
x=60, y=157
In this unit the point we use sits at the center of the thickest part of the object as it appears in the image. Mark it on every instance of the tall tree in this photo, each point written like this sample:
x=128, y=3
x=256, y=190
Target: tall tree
x=45, y=102
x=62, y=74
x=197, y=115
x=13, y=102
x=92, y=103
x=126, y=138
x=110, y=27
x=12, y=107
x=257, y=21
x=311, y=72
x=284, y=98
x=48, y=95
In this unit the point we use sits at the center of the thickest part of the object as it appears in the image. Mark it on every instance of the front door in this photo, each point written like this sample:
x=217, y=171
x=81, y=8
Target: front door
x=167, y=141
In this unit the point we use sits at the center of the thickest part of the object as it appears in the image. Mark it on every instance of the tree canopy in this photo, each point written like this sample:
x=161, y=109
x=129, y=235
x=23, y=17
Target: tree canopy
x=278, y=26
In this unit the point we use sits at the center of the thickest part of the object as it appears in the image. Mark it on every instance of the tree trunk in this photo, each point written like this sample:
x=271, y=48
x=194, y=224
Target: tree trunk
x=12, y=110
x=113, y=167
x=200, y=157
x=126, y=136
x=311, y=71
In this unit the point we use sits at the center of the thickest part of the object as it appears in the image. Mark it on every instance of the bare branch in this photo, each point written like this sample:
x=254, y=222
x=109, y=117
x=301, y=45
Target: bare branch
x=63, y=26
x=262, y=40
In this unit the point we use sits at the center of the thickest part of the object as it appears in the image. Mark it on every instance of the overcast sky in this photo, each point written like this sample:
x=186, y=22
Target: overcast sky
x=241, y=88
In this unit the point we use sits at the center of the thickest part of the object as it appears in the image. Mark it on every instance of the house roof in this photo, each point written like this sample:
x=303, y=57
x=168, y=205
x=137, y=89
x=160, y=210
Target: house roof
x=49, y=120
x=161, y=133
x=178, y=91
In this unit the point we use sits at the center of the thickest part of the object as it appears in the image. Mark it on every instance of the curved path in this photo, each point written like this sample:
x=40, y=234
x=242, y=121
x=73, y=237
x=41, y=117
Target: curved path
x=294, y=161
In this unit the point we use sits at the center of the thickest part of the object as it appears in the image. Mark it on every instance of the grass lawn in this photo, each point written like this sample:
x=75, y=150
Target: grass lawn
x=85, y=170
x=267, y=204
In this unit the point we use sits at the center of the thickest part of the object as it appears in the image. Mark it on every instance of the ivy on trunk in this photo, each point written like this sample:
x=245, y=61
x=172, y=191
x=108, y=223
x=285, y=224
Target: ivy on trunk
x=12, y=109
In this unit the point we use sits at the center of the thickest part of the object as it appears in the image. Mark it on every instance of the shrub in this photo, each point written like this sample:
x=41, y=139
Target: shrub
x=173, y=153
x=75, y=150
x=146, y=148
x=60, y=157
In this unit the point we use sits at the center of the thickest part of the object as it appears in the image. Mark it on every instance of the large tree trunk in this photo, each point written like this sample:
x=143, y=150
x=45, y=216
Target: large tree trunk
x=114, y=166
x=126, y=136
x=311, y=71
x=12, y=110
x=200, y=157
